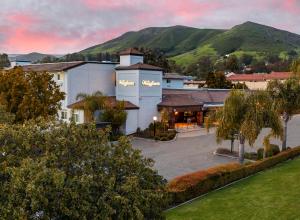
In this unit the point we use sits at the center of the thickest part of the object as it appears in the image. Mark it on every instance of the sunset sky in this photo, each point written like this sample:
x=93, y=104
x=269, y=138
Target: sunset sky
x=64, y=26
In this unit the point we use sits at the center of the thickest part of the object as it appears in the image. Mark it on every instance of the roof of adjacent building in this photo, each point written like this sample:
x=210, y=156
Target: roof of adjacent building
x=131, y=51
x=140, y=66
x=111, y=100
x=57, y=67
x=259, y=76
x=192, y=97
x=174, y=76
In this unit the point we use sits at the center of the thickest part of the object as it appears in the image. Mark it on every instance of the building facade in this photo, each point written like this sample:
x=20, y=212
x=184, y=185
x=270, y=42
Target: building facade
x=142, y=87
x=258, y=81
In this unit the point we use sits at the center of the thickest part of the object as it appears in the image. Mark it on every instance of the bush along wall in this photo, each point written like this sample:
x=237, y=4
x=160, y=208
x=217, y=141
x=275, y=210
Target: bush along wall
x=189, y=186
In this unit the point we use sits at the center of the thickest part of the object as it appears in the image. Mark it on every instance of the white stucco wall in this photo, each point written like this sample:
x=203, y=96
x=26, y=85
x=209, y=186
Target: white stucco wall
x=132, y=121
x=127, y=60
x=145, y=97
x=89, y=78
x=131, y=92
x=174, y=83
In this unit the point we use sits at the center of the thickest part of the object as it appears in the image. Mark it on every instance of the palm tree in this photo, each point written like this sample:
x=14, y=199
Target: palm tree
x=91, y=103
x=245, y=115
x=286, y=96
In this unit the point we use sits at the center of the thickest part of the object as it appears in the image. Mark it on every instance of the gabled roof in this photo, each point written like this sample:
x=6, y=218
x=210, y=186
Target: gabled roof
x=131, y=51
x=139, y=66
x=111, y=100
x=259, y=76
x=57, y=67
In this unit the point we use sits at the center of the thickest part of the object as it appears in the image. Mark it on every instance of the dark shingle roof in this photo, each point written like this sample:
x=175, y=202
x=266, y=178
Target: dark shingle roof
x=131, y=51
x=184, y=97
x=139, y=66
x=56, y=67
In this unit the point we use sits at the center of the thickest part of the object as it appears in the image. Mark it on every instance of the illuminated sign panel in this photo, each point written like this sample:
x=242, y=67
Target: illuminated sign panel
x=150, y=83
x=126, y=83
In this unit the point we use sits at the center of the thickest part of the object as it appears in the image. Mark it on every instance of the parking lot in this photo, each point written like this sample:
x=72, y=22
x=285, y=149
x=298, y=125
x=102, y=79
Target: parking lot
x=193, y=151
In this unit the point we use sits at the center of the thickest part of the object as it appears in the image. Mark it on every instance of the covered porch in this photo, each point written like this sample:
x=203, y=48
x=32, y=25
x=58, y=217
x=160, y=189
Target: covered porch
x=183, y=111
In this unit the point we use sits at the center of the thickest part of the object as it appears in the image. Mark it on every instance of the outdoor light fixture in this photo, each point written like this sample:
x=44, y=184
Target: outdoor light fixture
x=154, y=128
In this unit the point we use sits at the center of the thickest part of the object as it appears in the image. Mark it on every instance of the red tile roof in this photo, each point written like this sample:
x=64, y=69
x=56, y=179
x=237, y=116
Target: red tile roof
x=259, y=76
x=131, y=51
x=111, y=100
x=139, y=66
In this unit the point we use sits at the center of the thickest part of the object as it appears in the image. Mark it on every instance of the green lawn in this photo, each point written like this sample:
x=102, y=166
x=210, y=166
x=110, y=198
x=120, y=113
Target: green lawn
x=273, y=194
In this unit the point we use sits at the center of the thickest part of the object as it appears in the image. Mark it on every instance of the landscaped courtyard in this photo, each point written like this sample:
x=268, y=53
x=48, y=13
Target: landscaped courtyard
x=272, y=194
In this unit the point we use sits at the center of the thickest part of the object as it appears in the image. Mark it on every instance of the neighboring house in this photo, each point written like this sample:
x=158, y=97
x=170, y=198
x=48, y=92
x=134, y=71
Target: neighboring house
x=257, y=81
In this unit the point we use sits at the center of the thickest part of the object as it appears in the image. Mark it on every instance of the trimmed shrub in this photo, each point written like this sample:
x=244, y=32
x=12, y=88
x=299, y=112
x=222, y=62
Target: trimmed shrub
x=191, y=185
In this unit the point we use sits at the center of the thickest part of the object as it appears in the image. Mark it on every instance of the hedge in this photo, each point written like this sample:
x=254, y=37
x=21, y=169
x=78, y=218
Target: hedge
x=189, y=186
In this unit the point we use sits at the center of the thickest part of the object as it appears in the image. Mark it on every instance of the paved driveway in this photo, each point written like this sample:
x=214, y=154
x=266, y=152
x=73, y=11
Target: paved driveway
x=194, y=151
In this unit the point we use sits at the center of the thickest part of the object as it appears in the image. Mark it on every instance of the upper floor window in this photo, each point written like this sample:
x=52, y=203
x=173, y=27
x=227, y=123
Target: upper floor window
x=58, y=77
x=168, y=81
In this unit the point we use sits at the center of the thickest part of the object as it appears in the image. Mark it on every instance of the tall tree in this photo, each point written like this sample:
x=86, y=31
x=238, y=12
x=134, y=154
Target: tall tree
x=201, y=68
x=4, y=61
x=218, y=80
x=232, y=64
x=295, y=67
x=66, y=171
x=245, y=115
x=91, y=103
x=286, y=96
x=29, y=95
x=155, y=57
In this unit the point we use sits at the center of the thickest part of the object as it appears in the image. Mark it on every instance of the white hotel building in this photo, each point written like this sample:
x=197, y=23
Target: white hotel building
x=138, y=84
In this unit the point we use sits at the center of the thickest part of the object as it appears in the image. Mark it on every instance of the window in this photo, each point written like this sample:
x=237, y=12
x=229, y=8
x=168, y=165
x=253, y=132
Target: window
x=168, y=81
x=64, y=115
x=58, y=77
x=76, y=117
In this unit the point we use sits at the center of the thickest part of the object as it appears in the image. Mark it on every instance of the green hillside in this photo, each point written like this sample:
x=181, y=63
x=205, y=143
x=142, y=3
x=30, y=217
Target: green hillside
x=172, y=40
x=186, y=45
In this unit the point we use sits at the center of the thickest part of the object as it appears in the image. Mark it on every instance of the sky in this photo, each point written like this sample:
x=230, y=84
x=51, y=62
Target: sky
x=66, y=26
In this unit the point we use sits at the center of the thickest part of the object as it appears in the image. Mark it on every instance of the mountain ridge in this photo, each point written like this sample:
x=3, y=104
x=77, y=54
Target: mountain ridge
x=185, y=44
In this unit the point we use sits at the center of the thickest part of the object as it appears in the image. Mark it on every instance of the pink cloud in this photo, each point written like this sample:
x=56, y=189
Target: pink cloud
x=291, y=6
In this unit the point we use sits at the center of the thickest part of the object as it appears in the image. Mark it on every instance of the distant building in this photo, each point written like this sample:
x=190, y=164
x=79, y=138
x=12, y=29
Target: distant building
x=19, y=63
x=257, y=81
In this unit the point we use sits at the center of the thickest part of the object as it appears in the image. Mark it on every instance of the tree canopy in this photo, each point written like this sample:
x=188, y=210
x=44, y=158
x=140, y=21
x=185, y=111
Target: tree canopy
x=286, y=97
x=61, y=171
x=245, y=114
x=29, y=95
x=4, y=61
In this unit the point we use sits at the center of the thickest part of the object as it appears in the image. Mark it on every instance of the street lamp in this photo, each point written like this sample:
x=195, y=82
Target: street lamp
x=154, y=120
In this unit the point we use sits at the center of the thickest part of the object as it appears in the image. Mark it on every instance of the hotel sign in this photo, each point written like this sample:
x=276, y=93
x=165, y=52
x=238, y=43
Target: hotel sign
x=150, y=83
x=126, y=83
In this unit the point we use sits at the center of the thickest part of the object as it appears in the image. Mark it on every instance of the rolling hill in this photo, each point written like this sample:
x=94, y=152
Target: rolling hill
x=186, y=45
x=172, y=40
